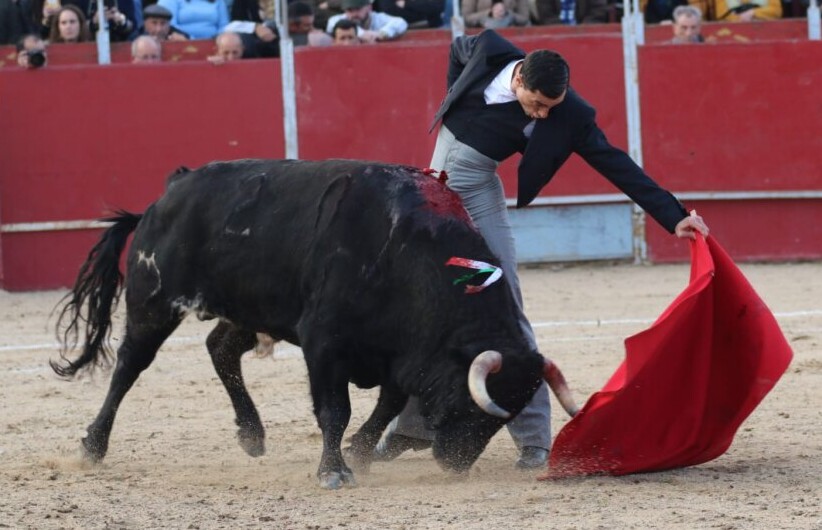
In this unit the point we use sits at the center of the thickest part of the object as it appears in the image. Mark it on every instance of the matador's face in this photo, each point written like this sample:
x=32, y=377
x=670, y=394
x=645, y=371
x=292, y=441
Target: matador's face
x=535, y=104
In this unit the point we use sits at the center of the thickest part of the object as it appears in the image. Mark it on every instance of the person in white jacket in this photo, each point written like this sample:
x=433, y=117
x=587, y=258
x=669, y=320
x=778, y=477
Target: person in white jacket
x=372, y=26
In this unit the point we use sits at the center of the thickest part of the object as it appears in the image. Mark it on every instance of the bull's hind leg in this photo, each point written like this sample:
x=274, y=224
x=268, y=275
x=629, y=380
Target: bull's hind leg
x=361, y=451
x=136, y=353
x=226, y=345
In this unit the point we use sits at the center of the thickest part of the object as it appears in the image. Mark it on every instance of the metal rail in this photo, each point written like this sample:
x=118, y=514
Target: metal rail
x=633, y=36
x=566, y=200
x=814, y=30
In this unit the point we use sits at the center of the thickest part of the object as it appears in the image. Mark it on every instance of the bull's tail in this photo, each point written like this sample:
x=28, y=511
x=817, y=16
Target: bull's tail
x=93, y=298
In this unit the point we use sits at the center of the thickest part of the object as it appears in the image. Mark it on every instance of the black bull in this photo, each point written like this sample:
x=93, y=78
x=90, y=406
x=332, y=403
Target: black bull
x=346, y=259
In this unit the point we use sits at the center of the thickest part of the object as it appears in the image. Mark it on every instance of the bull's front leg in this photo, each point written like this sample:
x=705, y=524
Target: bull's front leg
x=329, y=389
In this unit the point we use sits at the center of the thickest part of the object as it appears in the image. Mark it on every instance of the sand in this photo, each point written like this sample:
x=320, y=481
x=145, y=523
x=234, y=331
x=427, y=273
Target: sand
x=174, y=462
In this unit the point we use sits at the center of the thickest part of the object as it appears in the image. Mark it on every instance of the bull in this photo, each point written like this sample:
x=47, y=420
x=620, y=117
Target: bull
x=365, y=266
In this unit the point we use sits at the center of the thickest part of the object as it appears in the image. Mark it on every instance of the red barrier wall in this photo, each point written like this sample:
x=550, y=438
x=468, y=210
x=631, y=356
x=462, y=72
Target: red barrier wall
x=81, y=139
x=737, y=117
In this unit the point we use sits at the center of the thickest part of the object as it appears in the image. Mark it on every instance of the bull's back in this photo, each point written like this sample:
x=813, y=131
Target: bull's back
x=240, y=238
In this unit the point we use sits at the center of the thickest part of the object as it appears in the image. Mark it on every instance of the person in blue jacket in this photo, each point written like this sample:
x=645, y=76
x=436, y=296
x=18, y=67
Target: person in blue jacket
x=200, y=19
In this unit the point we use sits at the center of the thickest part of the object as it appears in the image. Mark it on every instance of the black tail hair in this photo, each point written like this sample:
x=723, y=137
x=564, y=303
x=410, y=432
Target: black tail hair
x=98, y=287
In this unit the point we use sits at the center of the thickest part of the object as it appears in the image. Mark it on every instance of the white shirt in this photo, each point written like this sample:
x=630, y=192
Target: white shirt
x=391, y=26
x=499, y=91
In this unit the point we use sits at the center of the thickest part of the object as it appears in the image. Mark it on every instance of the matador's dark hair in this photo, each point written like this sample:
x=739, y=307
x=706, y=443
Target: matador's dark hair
x=545, y=71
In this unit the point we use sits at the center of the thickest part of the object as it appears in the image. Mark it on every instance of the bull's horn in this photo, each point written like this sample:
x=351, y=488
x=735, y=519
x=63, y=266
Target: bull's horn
x=486, y=362
x=553, y=376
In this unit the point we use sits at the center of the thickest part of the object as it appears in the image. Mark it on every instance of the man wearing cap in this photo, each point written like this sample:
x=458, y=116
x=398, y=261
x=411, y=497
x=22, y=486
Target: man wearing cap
x=157, y=23
x=372, y=26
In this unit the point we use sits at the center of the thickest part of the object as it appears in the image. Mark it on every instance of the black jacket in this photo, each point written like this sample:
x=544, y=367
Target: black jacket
x=15, y=20
x=569, y=128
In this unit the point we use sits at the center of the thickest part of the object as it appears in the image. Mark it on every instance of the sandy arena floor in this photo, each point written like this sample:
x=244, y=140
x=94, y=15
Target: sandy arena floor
x=173, y=461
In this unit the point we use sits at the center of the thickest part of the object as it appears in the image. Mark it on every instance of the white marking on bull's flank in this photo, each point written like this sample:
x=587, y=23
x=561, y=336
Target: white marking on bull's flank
x=185, y=306
x=151, y=264
x=149, y=261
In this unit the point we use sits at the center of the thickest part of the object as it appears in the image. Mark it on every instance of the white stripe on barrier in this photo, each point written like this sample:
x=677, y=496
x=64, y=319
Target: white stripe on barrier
x=290, y=350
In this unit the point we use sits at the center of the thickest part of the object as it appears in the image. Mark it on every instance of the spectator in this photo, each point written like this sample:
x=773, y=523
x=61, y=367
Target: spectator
x=373, y=26
x=345, y=33
x=146, y=49
x=418, y=13
x=201, y=19
x=301, y=26
x=659, y=11
x=738, y=10
x=746, y=10
x=687, y=25
x=69, y=25
x=31, y=51
x=48, y=9
x=229, y=48
x=259, y=39
x=572, y=12
x=15, y=20
x=120, y=26
x=324, y=10
x=252, y=10
x=157, y=23
x=495, y=13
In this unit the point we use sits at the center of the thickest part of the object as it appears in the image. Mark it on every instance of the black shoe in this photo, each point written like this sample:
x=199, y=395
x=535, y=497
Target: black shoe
x=393, y=445
x=532, y=458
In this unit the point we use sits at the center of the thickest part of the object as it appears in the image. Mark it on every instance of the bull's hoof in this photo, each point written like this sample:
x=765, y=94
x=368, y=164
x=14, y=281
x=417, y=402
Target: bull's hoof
x=93, y=452
x=357, y=461
x=254, y=446
x=334, y=480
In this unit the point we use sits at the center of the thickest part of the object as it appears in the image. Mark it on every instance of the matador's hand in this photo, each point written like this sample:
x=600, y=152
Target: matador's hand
x=689, y=226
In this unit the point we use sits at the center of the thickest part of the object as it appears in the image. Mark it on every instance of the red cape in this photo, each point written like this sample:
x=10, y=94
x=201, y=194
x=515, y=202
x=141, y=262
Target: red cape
x=687, y=383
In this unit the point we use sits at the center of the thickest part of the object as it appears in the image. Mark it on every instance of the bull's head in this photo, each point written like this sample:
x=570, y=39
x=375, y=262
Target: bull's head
x=459, y=442
x=489, y=362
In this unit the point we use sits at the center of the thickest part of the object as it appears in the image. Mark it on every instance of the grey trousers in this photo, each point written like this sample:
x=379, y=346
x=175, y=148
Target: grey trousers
x=473, y=176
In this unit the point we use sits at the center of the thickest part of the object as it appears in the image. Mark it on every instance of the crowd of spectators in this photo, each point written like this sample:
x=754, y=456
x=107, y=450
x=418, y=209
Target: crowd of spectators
x=246, y=28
